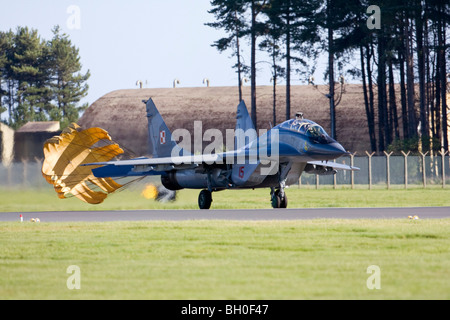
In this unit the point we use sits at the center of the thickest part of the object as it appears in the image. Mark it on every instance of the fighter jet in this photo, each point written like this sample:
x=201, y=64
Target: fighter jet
x=274, y=160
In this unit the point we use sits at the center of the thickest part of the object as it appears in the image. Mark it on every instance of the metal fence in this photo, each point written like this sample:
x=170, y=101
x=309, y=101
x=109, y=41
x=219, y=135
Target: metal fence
x=24, y=174
x=387, y=171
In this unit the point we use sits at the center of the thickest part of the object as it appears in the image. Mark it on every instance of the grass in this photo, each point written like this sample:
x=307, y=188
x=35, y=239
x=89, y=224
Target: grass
x=308, y=259
x=45, y=199
x=312, y=259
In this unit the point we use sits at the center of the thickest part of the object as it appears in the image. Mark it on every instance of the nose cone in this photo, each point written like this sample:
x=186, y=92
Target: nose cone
x=337, y=149
x=330, y=151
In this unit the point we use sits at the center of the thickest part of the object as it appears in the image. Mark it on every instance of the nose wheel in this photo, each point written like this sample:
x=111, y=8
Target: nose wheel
x=205, y=199
x=279, y=199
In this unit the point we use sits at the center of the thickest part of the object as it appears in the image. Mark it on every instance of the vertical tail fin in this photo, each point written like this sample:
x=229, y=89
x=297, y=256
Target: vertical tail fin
x=160, y=143
x=244, y=134
x=244, y=127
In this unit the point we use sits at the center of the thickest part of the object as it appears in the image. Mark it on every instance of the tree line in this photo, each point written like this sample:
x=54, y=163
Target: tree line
x=40, y=80
x=397, y=49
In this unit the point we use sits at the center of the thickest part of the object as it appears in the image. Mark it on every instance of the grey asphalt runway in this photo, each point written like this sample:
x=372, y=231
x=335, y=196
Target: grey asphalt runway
x=257, y=214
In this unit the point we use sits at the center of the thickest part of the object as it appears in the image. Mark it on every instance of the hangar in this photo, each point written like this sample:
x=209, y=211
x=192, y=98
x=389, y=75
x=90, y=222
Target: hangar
x=122, y=112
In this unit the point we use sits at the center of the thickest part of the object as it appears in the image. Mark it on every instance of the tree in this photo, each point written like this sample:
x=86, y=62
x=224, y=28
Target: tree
x=232, y=14
x=293, y=18
x=272, y=44
x=29, y=74
x=40, y=80
x=331, y=51
x=366, y=53
x=256, y=28
x=335, y=22
x=405, y=55
x=441, y=15
x=5, y=48
x=293, y=22
x=68, y=84
x=229, y=16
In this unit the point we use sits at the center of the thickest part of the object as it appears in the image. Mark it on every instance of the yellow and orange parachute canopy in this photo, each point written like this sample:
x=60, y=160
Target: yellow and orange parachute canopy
x=65, y=153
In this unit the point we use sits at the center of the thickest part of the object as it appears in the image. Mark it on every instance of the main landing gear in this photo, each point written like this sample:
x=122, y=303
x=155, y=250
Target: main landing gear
x=205, y=199
x=279, y=198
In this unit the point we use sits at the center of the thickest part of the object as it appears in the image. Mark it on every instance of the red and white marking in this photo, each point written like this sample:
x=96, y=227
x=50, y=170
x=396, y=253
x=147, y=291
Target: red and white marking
x=162, y=137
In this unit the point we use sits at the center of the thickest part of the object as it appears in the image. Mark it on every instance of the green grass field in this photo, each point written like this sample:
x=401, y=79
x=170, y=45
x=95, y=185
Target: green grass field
x=308, y=259
x=313, y=259
x=45, y=199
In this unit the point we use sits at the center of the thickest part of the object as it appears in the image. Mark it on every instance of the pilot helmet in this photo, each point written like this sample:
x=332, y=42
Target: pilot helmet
x=299, y=116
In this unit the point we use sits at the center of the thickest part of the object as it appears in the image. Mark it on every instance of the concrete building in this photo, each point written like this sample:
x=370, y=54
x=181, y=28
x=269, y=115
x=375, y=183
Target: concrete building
x=30, y=138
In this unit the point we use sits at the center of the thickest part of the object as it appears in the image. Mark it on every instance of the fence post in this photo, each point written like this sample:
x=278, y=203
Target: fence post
x=443, y=166
x=334, y=178
x=352, y=174
x=370, y=168
x=406, y=168
x=388, y=171
x=9, y=167
x=424, y=175
x=25, y=172
x=39, y=162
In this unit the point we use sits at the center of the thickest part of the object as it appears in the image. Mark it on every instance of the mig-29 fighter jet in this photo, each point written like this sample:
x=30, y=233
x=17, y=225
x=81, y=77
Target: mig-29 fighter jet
x=274, y=160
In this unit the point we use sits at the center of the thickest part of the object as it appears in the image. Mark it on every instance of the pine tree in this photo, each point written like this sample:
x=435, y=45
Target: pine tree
x=68, y=84
x=272, y=43
x=229, y=16
x=30, y=77
x=290, y=20
x=40, y=80
x=5, y=45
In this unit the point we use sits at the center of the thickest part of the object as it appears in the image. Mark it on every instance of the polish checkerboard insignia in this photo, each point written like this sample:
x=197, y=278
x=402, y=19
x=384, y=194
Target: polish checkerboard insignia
x=162, y=137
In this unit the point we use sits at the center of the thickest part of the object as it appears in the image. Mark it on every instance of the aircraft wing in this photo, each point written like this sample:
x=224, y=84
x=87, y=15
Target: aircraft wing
x=157, y=166
x=191, y=159
x=333, y=165
x=149, y=166
x=186, y=160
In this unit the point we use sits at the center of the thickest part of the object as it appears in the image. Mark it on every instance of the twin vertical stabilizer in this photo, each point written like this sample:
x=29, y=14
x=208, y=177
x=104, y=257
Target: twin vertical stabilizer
x=160, y=143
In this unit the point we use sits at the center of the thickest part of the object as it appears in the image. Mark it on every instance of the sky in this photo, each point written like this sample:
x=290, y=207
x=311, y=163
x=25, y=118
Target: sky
x=122, y=42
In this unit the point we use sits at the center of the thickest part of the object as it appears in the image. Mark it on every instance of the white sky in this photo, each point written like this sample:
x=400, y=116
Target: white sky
x=121, y=42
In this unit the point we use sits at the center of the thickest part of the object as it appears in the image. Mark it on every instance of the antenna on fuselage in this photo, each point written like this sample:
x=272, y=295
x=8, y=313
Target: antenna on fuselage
x=299, y=116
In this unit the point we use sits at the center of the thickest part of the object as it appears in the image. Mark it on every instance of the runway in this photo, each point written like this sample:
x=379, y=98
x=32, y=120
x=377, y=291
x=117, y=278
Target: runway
x=253, y=215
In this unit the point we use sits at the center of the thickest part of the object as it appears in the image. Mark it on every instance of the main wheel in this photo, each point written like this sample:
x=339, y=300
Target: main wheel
x=276, y=201
x=282, y=202
x=204, y=199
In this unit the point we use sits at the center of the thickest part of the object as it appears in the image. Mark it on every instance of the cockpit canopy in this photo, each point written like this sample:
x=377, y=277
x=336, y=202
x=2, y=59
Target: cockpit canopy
x=309, y=128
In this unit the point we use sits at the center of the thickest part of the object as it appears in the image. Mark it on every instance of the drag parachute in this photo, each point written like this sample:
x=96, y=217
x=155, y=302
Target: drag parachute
x=64, y=155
